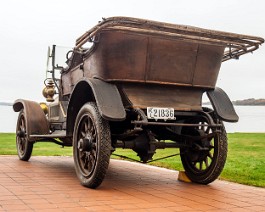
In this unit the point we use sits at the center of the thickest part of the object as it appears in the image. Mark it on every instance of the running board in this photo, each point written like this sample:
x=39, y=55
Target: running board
x=55, y=134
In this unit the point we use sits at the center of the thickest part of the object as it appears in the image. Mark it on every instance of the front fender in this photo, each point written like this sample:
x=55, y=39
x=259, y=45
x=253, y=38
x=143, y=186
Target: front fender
x=36, y=121
x=222, y=105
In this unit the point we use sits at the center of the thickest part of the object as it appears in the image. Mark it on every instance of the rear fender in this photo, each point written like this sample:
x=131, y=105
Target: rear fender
x=222, y=105
x=108, y=100
x=36, y=121
x=106, y=96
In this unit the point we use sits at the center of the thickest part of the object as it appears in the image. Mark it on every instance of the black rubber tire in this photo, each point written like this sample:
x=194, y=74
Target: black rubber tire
x=196, y=168
x=91, y=146
x=24, y=146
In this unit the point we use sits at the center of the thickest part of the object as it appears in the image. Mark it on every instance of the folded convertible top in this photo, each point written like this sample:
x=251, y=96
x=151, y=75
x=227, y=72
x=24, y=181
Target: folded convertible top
x=235, y=44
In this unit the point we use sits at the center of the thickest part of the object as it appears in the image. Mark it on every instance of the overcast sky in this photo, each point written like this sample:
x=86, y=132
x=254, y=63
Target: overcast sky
x=28, y=27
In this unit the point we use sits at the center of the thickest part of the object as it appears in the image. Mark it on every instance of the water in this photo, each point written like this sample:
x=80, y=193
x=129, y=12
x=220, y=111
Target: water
x=8, y=119
x=251, y=119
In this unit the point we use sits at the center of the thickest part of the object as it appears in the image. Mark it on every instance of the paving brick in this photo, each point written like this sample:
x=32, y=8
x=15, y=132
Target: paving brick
x=16, y=207
x=50, y=184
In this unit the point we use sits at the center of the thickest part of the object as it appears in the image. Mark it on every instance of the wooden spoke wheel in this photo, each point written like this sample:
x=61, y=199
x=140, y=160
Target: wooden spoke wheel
x=24, y=146
x=91, y=146
x=205, y=160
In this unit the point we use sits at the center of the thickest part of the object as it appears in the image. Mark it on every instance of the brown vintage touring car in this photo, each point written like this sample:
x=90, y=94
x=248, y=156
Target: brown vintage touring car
x=137, y=84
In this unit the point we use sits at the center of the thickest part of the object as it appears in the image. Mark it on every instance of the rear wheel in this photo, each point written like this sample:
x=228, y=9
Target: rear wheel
x=91, y=149
x=205, y=160
x=24, y=146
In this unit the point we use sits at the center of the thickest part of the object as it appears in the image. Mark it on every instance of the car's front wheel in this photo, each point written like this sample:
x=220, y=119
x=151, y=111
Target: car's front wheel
x=24, y=146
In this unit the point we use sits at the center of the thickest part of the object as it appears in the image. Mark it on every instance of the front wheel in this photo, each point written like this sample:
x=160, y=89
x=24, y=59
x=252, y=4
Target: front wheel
x=204, y=162
x=91, y=146
x=24, y=146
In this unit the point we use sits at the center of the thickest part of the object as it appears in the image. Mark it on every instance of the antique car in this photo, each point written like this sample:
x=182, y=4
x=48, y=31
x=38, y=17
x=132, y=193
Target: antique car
x=137, y=84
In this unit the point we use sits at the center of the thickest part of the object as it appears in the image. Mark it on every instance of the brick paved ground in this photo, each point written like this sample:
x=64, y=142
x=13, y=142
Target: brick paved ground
x=50, y=184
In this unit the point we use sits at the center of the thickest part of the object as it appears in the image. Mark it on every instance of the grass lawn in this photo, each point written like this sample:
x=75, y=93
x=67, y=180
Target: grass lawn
x=245, y=162
x=8, y=147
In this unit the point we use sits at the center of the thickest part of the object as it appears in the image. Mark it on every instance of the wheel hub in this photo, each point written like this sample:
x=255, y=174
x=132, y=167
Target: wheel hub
x=85, y=144
x=21, y=133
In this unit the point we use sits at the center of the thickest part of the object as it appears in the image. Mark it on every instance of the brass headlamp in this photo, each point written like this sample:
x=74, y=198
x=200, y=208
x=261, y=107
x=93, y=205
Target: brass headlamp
x=49, y=91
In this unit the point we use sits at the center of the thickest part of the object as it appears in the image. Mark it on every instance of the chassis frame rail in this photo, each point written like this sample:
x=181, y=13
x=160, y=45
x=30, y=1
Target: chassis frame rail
x=174, y=124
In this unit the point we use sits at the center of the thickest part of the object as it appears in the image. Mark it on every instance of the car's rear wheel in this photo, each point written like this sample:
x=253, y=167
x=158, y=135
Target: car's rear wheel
x=91, y=146
x=205, y=160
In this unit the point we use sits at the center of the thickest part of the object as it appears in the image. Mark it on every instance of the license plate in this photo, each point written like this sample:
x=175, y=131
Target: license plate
x=160, y=113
